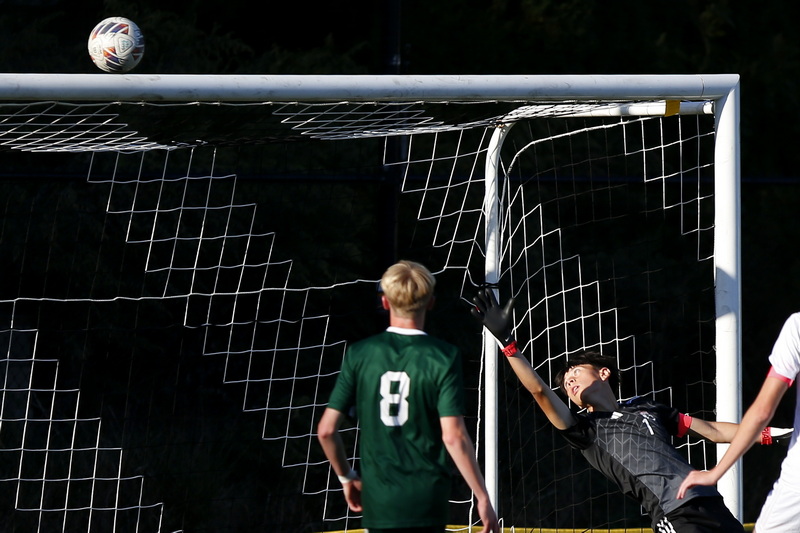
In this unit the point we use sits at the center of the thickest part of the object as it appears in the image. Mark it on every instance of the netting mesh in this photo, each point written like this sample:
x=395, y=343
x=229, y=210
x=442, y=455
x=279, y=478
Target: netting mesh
x=609, y=252
x=175, y=319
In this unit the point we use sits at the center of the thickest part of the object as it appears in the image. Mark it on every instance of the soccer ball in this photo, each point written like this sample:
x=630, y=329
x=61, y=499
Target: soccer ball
x=116, y=44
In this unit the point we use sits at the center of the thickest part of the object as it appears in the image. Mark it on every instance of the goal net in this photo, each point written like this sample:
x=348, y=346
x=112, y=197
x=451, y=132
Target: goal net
x=186, y=259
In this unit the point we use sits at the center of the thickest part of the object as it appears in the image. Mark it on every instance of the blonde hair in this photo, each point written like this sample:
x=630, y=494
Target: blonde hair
x=408, y=286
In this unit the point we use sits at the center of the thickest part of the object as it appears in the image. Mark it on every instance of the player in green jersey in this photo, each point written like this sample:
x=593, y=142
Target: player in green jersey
x=407, y=388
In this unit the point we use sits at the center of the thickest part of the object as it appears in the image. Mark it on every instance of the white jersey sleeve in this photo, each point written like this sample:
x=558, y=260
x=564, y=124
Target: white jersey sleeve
x=785, y=360
x=785, y=357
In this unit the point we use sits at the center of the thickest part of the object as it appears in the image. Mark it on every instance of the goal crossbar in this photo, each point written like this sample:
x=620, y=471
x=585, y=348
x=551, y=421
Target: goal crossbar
x=331, y=88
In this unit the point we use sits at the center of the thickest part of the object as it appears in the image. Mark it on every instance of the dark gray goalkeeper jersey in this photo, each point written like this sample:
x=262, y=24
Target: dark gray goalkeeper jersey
x=632, y=447
x=401, y=385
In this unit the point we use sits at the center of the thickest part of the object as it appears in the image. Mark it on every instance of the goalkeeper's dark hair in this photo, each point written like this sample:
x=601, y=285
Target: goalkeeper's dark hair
x=595, y=359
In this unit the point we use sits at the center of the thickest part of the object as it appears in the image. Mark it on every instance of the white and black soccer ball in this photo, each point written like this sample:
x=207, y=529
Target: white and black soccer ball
x=116, y=44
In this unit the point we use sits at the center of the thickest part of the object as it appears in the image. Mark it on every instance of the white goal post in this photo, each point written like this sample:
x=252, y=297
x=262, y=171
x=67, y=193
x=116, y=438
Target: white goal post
x=359, y=88
x=580, y=95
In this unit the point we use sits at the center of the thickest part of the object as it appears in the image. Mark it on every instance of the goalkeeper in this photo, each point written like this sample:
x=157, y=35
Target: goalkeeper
x=629, y=442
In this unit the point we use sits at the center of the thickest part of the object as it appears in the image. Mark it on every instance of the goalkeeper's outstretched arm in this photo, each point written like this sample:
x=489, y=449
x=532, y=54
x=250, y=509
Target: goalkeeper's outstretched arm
x=725, y=432
x=757, y=416
x=551, y=404
x=498, y=321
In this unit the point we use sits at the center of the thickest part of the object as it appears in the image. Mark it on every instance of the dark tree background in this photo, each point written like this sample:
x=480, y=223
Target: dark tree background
x=761, y=43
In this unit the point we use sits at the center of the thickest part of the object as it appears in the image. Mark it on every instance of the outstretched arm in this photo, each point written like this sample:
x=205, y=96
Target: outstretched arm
x=498, y=321
x=459, y=446
x=332, y=445
x=755, y=419
x=726, y=431
x=716, y=431
x=550, y=403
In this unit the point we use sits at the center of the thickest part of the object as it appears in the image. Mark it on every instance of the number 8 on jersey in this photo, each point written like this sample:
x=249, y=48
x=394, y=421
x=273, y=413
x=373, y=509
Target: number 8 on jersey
x=395, y=387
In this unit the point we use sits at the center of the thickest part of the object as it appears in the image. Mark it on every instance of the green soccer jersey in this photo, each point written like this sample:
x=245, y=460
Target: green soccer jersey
x=401, y=383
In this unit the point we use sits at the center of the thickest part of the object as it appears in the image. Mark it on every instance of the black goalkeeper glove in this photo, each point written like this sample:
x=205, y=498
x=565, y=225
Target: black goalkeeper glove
x=496, y=319
x=772, y=435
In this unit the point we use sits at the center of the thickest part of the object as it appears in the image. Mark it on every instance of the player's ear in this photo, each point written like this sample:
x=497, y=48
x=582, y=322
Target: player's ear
x=384, y=302
x=605, y=373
